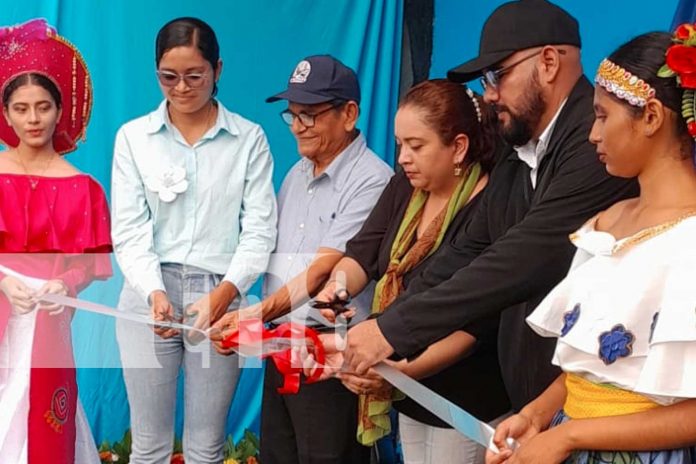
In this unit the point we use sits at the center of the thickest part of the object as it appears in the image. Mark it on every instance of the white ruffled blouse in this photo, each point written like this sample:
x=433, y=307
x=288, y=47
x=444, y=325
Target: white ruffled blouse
x=626, y=312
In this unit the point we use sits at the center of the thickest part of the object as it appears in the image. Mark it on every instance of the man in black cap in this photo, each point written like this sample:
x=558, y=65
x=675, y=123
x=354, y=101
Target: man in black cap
x=324, y=199
x=547, y=183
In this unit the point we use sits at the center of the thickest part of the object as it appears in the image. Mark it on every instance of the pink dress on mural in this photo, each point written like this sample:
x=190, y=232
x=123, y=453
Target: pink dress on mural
x=50, y=228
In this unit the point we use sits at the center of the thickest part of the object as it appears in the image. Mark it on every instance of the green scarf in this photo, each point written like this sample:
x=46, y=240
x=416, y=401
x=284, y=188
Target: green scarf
x=373, y=410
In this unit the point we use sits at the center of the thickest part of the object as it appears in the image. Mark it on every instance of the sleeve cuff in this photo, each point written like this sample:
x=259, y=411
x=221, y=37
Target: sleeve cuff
x=397, y=333
x=243, y=281
x=149, y=285
x=245, y=269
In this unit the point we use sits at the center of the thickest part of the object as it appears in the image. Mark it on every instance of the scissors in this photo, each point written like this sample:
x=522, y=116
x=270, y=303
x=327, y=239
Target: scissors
x=339, y=303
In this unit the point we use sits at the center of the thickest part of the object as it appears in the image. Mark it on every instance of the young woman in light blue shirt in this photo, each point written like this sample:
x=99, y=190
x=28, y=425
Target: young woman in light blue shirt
x=194, y=222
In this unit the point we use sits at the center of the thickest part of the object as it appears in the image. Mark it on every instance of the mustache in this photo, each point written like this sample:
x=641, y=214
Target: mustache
x=499, y=108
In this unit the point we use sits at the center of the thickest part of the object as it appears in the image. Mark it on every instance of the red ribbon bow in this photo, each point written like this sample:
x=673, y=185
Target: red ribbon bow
x=251, y=332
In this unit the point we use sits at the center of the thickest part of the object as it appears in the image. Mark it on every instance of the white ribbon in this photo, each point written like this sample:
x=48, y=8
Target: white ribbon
x=445, y=410
x=459, y=419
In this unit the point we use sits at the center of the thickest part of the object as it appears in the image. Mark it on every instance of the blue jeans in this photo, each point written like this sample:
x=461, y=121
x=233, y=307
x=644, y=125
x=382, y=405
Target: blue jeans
x=151, y=367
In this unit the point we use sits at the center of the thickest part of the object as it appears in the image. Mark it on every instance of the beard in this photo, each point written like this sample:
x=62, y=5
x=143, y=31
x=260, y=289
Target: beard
x=519, y=130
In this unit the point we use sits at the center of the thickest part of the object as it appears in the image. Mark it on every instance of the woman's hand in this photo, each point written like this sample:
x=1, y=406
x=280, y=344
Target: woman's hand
x=162, y=310
x=19, y=295
x=518, y=427
x=369, y=384
x=210, y=308
x=53, y=287
x=550, y=447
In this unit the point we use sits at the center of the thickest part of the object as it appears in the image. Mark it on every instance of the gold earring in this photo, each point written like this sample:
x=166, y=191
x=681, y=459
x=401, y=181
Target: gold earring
x=458, y=171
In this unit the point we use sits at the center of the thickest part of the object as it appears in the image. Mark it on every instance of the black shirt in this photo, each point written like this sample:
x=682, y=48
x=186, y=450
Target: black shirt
x=475, y=382
x=512, y=253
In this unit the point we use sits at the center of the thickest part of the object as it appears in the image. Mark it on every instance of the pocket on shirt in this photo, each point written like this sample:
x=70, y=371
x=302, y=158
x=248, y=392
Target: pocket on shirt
x=325, y=221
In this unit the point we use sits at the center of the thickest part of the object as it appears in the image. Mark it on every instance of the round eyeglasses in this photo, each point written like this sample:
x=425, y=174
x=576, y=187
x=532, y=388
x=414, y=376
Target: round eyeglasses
x=306, y=119
x=172, y=79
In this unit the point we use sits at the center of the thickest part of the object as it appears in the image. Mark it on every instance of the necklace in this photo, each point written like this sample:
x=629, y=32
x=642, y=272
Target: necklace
x=650, y=232
x=192, y=134
x=33, y=181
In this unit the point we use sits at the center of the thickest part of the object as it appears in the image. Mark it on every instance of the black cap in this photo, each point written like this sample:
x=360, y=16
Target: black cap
x=517, y=26
x=319, y=79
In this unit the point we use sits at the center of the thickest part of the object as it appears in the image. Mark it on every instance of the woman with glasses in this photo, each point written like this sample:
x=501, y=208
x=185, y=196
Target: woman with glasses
x=446, y=137
x=194, y=219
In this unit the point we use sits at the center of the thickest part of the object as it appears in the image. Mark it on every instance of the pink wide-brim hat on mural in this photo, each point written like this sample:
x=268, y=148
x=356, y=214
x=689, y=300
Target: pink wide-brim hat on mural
x=35, y=47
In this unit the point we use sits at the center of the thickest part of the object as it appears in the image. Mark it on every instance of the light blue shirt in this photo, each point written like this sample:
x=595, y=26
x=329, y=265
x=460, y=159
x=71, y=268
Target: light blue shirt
x=324, y=212
x=225, y=220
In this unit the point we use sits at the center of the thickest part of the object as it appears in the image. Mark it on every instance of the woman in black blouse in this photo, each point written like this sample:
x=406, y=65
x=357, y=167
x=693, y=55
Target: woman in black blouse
x=446, y=141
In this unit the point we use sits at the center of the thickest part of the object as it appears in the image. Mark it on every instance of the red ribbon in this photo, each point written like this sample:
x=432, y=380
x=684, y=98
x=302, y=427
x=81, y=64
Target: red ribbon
x=252, y=332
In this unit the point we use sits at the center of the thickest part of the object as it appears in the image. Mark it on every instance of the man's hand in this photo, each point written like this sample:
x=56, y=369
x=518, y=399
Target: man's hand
x=210, y=307
x=228, y=324
x=333, y=352
x=19, y=295
x=328, y=293
x=162, y=310
x=366, y=347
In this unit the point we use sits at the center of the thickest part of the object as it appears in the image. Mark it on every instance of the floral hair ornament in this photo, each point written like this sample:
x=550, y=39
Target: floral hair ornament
x=623, y=84
x=681, y=62
x=35, y=47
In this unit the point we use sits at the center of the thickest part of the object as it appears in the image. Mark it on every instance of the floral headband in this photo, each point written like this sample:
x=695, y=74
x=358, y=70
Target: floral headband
x=680, y=59
x=625, y=85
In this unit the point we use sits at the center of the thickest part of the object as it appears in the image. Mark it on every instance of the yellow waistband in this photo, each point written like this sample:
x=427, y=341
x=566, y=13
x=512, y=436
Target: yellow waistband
x=586, y=399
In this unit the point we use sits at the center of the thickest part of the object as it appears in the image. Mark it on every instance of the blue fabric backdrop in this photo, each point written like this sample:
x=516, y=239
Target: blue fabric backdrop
x=261, y=41
x=686, y=13
x=604, y=25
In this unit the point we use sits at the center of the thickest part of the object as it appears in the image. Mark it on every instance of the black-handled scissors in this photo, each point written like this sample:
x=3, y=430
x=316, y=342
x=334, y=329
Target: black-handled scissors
x=338, y=305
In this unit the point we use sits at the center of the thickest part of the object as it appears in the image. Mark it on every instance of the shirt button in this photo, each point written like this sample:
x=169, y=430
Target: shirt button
x=310, y=191
x=289, y=258
x=302, y=226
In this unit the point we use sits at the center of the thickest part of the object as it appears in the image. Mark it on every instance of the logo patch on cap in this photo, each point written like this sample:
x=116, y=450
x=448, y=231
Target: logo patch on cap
x=301, y=72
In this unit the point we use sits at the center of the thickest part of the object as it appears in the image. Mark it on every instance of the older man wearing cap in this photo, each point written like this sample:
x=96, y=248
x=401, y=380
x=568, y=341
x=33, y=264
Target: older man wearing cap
x=548, y=182
x=322, y=203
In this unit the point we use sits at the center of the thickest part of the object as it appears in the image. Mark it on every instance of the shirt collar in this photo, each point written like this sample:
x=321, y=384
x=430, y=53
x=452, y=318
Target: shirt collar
x=340, y=168
x=533, y=151
x=160, y=118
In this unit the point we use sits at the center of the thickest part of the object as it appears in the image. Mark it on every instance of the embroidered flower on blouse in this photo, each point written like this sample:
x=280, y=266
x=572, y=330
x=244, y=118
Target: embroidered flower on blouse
x=169, y=183
x=653, y=324
x=569, y=319
x=615, y=343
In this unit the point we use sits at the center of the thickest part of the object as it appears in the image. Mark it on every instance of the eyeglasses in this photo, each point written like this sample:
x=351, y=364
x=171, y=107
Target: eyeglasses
x=172, y=79
x=492, y=77
x=306, y=119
